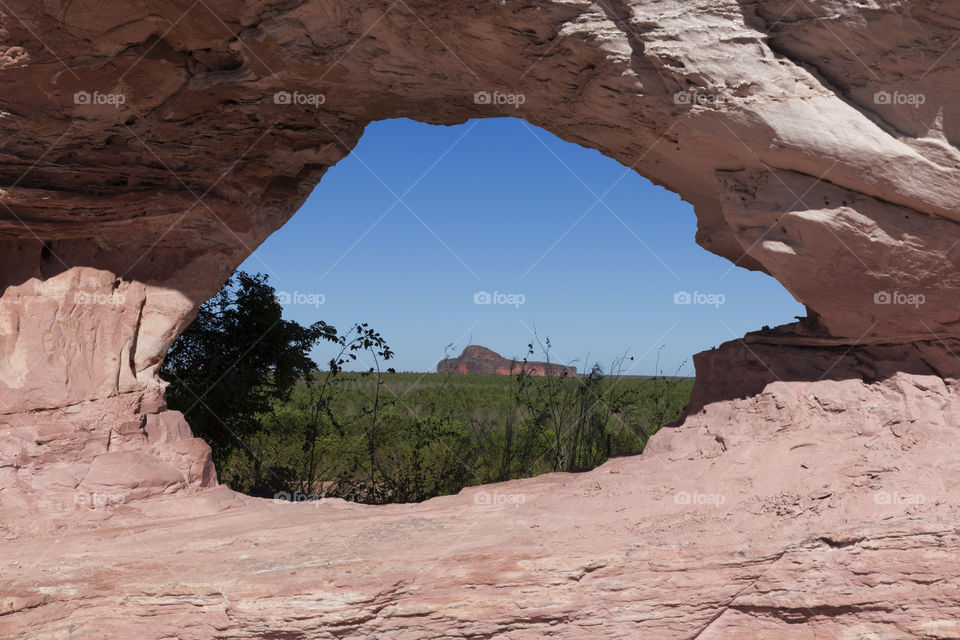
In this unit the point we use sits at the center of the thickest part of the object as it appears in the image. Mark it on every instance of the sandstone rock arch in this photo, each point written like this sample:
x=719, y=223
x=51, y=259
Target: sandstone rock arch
x=145, y=155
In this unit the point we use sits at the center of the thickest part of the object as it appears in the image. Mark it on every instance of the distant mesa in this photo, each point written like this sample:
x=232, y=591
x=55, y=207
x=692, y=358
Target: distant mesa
x=477, y=360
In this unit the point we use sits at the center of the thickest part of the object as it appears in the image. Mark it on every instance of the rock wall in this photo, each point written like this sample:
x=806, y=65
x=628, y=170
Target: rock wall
x=148, y=151
x=149, y=147
x=811, y=509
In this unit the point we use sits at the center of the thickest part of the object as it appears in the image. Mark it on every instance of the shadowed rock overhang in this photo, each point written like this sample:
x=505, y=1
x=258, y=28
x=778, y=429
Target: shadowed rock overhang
x=149, y=147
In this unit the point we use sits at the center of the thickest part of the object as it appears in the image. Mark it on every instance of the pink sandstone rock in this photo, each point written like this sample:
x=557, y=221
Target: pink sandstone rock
x=811, y=490
x=813, y=509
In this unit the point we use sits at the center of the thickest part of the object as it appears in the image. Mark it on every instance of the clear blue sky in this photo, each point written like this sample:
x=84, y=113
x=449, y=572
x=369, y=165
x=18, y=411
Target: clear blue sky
x=405, y=231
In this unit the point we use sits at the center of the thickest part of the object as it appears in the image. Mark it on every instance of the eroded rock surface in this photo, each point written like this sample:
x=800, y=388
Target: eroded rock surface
x=148, y=147
x=808, y=510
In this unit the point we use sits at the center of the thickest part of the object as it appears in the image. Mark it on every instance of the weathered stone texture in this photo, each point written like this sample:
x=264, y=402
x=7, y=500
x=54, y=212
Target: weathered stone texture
x=146, y=148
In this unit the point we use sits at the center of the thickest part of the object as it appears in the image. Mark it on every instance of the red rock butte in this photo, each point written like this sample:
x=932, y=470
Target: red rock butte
x=812, y=489
x=476, y=360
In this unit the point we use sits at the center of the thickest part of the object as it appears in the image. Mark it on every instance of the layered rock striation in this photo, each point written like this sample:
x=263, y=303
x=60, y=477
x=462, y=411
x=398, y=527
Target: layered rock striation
x=810, y=509
x=146, y=151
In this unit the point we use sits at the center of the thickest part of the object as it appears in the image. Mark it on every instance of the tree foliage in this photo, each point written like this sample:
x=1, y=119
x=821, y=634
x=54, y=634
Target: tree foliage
x=238, y=357
x=277, y=424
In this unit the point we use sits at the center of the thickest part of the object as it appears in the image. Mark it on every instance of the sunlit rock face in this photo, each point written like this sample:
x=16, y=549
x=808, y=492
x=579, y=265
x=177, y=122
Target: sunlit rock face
x=149, y=147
